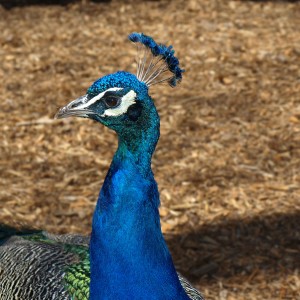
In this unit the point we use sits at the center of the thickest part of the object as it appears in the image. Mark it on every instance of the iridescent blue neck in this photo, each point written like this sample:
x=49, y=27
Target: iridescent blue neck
x=137, y=147
x=129, y=257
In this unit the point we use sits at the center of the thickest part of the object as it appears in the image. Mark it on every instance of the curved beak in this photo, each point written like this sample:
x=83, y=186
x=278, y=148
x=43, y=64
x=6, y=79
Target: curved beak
x=76, y=108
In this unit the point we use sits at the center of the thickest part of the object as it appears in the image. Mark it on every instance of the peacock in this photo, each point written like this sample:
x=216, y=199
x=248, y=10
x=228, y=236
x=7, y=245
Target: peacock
x=126, y=256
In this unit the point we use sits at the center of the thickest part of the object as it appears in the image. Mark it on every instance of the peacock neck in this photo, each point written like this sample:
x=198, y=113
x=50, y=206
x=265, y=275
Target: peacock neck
x=139, y=145
x=129, y=257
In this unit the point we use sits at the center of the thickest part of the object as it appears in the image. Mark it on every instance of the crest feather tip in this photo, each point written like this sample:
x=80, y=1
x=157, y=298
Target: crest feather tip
x=156, y=63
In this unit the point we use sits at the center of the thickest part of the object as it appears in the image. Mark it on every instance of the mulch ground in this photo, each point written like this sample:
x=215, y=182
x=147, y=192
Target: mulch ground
x=228, y=160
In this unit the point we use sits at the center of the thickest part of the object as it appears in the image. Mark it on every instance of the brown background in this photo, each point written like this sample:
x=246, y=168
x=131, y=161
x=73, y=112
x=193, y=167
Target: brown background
x=228, y=160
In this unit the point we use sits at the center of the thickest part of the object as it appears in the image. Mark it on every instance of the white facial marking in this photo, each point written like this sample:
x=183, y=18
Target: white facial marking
x=96, y=98
x=126, y=101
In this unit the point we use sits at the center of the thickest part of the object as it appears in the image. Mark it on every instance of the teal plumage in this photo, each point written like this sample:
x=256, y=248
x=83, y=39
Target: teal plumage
x=126, y=256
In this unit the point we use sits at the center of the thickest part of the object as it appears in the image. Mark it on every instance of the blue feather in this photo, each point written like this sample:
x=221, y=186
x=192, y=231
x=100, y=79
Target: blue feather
x=166, y=52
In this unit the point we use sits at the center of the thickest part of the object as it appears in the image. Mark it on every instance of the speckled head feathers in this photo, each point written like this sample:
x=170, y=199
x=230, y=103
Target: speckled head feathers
x=120, y=79
x=156, y=63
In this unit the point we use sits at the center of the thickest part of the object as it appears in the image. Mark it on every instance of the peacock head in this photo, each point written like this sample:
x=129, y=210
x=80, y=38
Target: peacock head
x=121, y=100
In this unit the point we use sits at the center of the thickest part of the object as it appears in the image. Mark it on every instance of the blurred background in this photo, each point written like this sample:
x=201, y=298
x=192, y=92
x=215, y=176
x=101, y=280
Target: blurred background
x=228, y=160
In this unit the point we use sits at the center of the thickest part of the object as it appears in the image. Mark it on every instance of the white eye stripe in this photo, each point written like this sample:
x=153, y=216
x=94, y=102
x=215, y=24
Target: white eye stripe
x=126, y=101
x=98, y=97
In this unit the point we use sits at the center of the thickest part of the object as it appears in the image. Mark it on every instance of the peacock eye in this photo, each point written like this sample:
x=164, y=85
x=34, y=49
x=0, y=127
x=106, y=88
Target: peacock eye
x=112, y=101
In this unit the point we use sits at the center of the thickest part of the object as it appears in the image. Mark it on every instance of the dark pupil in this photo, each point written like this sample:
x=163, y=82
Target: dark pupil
x=111, y=101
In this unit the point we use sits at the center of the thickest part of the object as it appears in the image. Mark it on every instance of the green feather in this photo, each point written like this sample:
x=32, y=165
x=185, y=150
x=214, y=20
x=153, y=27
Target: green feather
x=77, y=275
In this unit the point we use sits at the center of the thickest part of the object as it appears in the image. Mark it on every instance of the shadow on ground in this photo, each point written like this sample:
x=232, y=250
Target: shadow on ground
x=230, y=248
x=8, y=4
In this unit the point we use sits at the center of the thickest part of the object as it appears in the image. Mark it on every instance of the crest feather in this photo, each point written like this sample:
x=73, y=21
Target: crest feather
x=156, y=63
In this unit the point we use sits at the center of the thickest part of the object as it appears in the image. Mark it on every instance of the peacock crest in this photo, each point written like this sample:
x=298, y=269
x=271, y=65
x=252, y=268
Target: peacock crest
x=156, y=63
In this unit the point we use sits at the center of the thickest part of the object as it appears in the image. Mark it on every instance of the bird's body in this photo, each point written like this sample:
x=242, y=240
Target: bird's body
x=43, y=266
x=127, y=256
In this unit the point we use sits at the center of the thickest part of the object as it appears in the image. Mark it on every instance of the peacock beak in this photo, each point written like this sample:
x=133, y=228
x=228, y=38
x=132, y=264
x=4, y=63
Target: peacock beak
x=76, y=108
